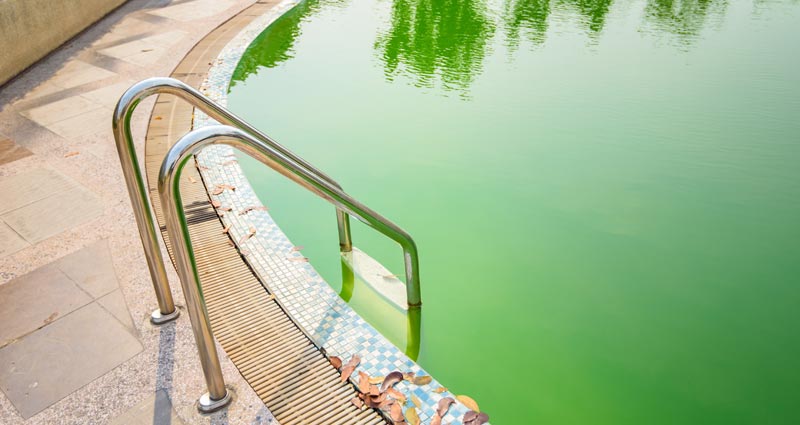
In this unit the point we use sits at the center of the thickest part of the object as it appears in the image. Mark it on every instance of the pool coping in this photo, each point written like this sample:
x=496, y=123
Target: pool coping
x=309, y=300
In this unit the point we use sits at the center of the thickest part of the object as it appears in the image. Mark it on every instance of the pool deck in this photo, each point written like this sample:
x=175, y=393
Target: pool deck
x=73, y=279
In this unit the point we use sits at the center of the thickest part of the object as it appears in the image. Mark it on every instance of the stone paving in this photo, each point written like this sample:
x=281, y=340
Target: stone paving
x=76, y=346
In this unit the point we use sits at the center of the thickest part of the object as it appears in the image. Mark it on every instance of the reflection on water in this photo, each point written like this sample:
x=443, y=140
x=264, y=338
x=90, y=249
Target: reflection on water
x=276, y=44
x=436, y=39
x=683, y=19
x=446, y=42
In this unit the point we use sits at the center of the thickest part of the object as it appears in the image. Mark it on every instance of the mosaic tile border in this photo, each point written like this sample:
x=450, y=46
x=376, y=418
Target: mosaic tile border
x=311, y=302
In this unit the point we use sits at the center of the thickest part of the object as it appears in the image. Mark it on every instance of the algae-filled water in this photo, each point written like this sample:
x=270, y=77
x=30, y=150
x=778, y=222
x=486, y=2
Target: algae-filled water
x=605, y=194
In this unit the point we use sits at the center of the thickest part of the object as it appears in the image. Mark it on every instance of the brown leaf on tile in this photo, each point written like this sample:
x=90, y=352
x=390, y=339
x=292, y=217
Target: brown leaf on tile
x=422, y=380
x=376, y=380
x=350, y=367
x=436, y=420
x=248, y=235
x=397, y=395
x=217, y=191
x=298, y=248
x=192, y=179
x=440, y=390
x=444, y=406
x=469, y=402
x=271, y=297
x=363, y=382
x=374, y=390
x=475, y=418
x=215, y=203
x=226, y=229
x=396, y=413
x=253, y=208
x=71, y=154
x=408, y=376
x=357, y=402
x=336, y=362
x=298, y=259
x=390, y=380
x=415, y=401
x=411, y=416
x=157, y=117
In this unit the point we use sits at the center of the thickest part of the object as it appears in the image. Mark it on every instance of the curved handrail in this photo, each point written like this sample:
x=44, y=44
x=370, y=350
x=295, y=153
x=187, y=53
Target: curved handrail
x=178, y=230
x=121, y=124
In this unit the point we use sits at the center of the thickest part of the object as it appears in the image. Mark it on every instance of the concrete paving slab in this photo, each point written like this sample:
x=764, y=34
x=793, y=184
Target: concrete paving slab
x=77, y=73
x=115, y=304
x=31, y=186
x=154, y=410
x=10, y=151
x=54, y=214
x=91, y=268
x=10, y=241
x=84, y=124
x=60, y=110
x=30, y=302
x=48, y=365
x=192, y=10
x=109, y=95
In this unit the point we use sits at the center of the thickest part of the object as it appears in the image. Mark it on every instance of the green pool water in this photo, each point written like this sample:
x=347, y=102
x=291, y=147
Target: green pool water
x=605, y=194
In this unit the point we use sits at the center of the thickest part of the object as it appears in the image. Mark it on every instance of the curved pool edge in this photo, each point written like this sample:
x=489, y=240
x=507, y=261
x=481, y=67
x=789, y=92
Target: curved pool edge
x=307, y=298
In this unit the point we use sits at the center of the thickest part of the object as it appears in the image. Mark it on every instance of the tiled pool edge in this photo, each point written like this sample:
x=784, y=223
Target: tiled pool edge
x=309, y=300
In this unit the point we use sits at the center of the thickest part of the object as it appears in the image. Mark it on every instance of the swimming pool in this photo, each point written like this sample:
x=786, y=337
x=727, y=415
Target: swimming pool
x=605, y=194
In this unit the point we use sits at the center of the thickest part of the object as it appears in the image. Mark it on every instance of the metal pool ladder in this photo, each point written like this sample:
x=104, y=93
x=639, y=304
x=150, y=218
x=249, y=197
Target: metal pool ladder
x=248, y=139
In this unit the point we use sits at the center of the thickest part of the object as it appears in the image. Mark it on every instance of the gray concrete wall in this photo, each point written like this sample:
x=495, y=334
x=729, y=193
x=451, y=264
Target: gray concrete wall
x=30, y=29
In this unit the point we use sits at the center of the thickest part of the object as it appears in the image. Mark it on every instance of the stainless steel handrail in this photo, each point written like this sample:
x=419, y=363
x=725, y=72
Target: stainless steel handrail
x=137, y=189
x=178, y=230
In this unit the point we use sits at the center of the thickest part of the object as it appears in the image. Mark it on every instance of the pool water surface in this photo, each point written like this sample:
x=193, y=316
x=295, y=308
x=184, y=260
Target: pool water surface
x=605, y=194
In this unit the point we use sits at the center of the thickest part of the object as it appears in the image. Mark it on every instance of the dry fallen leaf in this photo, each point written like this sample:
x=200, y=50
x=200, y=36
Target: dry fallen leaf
x=69, y=154
x=192, y=179
x=226, y=229
x=248, y=235
x=156, y=118
x=298, y=248
x=215, y=203
x=357, y=402
x=50, y=318
x=397, y=413
x=348, y=369
x=415, y=401
x=397, y=395
x=475, y=418
x=390, y=380
x=389, y=276
x=376, y=380
x=336, y=362
x=444, y=406
x=363, y=382
x=412, y=417
x=254, y=208
x=422, y=380
x=408, y=376
x=298, y=259
x=469, y=402
x=440, y=390
x=217, y=191
x=436, y=419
